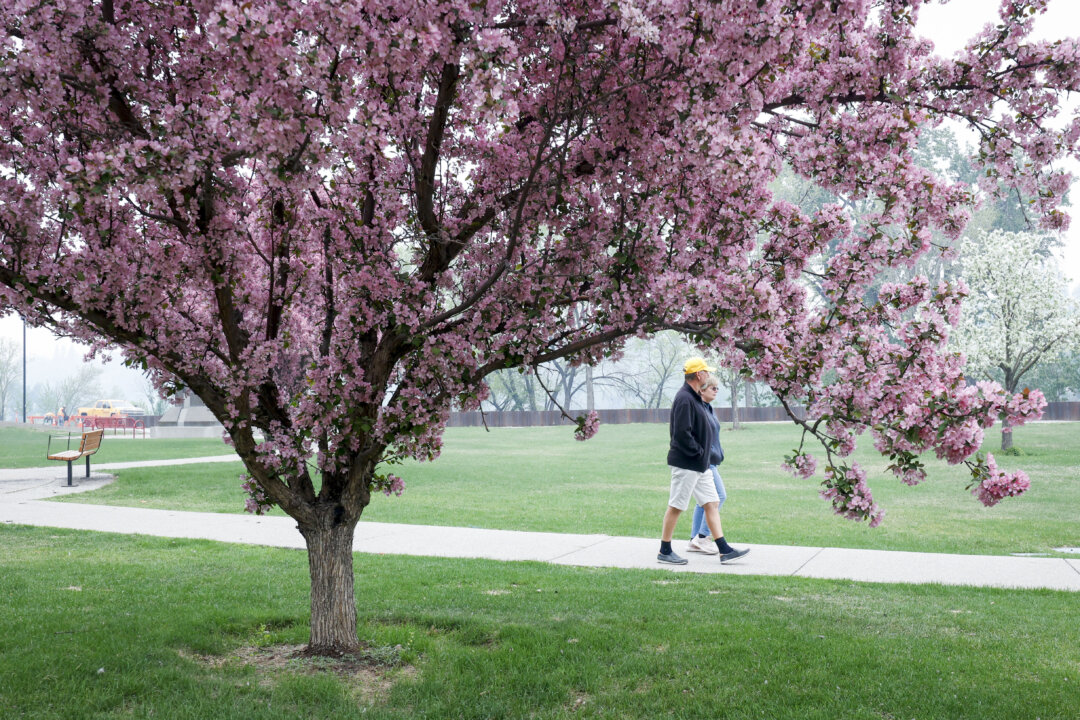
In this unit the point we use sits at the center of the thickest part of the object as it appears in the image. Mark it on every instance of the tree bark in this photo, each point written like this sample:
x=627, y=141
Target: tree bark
x=590, y=396
x=733, y=388
x=1006, y=436
x=333, y=599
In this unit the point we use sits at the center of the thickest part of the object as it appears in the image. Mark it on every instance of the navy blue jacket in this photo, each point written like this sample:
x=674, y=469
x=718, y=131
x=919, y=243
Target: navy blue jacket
x=716, y=452
x=691, y=432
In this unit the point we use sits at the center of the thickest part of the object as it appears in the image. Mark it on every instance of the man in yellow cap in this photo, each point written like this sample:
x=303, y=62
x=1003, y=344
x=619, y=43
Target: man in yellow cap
x=688, y=456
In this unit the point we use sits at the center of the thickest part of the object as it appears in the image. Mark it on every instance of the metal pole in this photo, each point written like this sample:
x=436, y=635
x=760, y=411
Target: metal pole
x=24, y=370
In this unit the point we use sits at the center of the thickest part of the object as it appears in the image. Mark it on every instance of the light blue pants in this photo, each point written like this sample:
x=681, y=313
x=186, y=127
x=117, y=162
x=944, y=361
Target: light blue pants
x=700, y=527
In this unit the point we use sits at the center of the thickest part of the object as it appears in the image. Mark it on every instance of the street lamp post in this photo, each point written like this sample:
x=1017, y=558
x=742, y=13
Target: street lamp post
x=24, y=370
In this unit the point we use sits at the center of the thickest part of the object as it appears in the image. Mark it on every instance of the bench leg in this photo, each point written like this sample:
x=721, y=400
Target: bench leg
x=70, y=484
x=87, y=467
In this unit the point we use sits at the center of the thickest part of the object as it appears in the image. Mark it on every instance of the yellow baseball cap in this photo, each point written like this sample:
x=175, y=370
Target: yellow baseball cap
x=696, y=364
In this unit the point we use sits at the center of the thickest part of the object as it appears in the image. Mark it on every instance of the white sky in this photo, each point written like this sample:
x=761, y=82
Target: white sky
x=949, y=25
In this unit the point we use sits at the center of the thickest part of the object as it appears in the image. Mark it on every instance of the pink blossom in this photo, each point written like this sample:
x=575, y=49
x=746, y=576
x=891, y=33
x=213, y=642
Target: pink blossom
x=851, y=498
x=587, y=426
x=993, y=485
x=801, y=465
x=256, y=501
x=390, y=484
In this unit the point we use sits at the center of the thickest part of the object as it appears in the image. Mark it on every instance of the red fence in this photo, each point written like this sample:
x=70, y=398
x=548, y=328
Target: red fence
x=116, y=424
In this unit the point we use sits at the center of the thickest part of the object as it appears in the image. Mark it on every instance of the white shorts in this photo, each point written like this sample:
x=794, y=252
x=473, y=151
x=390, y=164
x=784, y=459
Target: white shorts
x=685, y=483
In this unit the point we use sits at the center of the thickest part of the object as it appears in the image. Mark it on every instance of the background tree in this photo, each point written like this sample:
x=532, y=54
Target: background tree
x=152, y=401
x=561, y=381
x=732, y=382
x=514, y=390
x=10, y=373
x=1058, y=379
x=79, y=388
x=649, y=372
x=1018, y=314
x=395, y=200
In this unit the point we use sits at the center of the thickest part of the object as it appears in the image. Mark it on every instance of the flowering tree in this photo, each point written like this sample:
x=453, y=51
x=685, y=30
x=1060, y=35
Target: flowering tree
x=332, y=219
x=1018, y=313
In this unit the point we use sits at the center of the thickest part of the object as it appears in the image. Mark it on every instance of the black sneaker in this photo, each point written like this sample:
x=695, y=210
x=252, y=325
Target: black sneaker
x=733, y=555
x=671, y=559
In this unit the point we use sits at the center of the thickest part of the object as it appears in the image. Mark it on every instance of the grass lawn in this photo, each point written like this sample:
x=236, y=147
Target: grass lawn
x=24, y=448
x=617, y=484
x=103, y=626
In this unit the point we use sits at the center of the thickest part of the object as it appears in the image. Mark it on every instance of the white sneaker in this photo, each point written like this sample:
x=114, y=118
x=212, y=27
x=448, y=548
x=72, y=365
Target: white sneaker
x=702, y=545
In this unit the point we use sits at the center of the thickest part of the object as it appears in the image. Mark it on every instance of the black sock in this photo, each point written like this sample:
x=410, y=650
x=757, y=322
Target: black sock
x=722, y=545
x=702, y=535
x=665, y=547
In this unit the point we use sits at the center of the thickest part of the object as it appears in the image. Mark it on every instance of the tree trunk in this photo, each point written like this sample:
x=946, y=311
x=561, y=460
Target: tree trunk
x=333, y=600
x=1006, y=436
x=734, y=390
x=590, y=397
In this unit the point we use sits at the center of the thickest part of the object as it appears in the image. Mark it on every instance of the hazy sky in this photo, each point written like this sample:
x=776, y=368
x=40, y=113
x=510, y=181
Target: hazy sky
x=949, y=25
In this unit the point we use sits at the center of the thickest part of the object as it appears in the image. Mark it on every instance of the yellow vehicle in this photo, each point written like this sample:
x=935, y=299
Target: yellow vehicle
x=110, y=408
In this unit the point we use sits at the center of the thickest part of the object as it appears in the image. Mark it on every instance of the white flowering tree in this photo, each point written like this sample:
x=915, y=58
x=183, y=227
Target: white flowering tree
x=1018, y=314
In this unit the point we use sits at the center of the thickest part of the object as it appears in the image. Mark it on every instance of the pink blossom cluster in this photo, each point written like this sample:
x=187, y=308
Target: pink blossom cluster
x=257, y=501
x=801, y=464
x=992, y=485
x=587, y=426
x=390, y=484
x=846, y=488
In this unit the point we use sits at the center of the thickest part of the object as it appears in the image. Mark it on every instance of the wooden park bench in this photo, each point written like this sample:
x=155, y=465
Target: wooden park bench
x=88, y=445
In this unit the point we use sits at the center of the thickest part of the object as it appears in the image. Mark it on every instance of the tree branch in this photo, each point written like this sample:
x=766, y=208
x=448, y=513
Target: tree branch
x=425, y=179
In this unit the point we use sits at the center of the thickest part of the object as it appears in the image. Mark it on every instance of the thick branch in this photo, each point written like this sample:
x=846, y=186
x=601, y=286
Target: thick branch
x=425, y=179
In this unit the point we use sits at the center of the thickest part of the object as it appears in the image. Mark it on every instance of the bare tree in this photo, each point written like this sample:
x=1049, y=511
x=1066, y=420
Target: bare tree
x=733, y=389
x=10, y=372
x=561, y=378
x=79, y=388
x=731, y=381
x=650, y=369
x=152, y=401
x=512, y=390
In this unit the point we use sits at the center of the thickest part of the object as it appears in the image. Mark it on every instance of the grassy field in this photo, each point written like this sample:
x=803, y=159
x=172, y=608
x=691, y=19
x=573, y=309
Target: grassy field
x=617, y=484
x=101, y=626
x=24, y=448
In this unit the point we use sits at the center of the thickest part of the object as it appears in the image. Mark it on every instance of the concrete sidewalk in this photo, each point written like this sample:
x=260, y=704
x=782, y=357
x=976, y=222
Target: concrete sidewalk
x=21, y=503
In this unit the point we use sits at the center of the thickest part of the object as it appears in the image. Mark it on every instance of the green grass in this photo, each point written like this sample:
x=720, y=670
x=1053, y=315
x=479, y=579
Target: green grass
x=200, y=487
x=511, y=640
x=24, y=448
x=617, y=484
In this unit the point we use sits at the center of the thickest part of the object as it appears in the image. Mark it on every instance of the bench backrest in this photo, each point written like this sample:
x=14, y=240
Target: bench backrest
x=91, y=441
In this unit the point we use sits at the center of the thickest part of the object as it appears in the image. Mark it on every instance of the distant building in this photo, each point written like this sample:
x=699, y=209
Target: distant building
x=190, y=419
